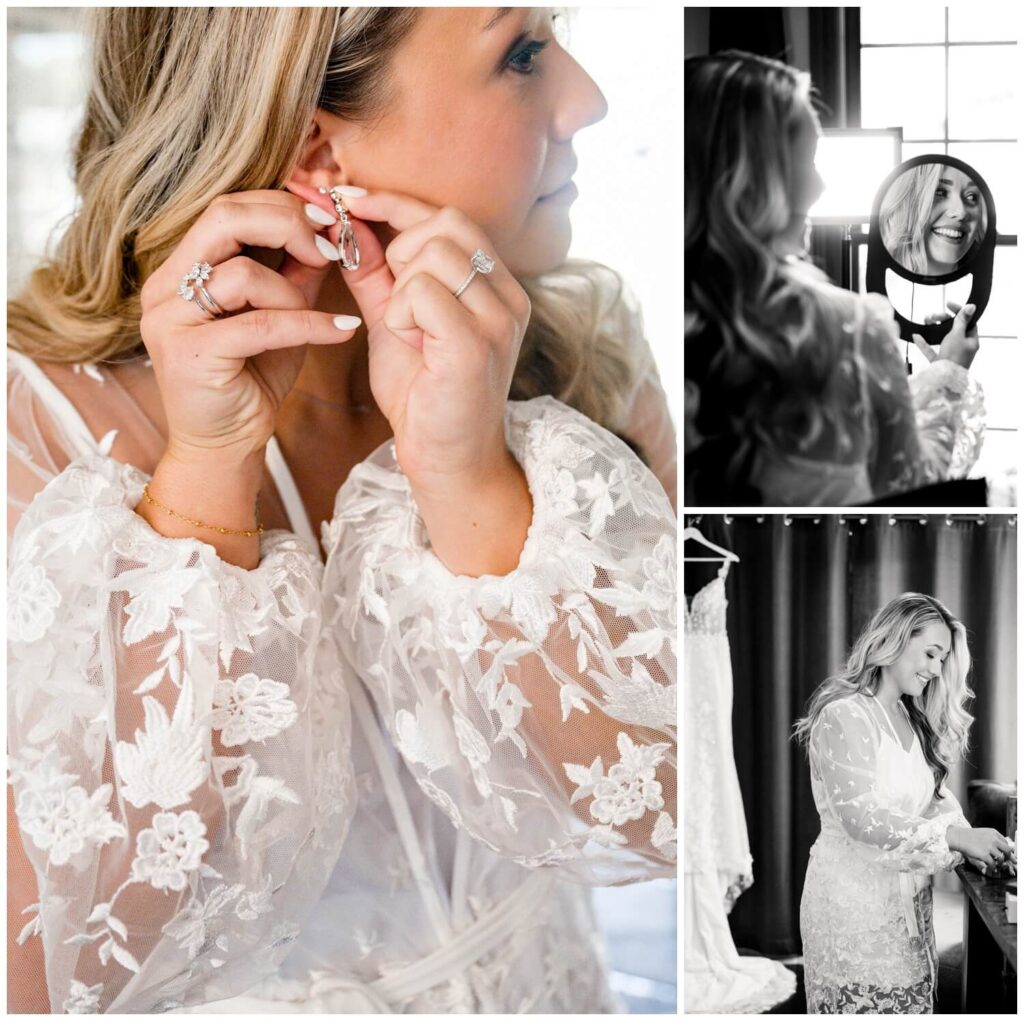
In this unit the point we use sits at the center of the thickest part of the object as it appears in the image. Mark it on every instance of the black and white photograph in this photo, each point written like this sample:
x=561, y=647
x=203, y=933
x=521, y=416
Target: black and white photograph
x=851, y=268
x=850, y=750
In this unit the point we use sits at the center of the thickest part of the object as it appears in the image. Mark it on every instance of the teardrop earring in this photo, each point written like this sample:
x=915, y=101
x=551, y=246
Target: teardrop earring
x=348, y=247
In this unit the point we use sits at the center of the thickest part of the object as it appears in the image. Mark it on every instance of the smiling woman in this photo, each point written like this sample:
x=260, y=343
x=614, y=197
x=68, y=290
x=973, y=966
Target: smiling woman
x=932, y=218
x=882, y=735
x=248, y=778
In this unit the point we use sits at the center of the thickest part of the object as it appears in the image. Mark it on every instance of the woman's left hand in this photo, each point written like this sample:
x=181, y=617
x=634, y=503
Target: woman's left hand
x=440, y=366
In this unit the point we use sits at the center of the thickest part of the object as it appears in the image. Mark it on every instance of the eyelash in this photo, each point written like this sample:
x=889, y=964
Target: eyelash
x=970, y=197
x=532, y=49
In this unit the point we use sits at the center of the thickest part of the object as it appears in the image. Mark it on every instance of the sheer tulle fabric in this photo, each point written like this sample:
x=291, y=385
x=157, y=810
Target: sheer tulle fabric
x=334, y=786
x=866, y=912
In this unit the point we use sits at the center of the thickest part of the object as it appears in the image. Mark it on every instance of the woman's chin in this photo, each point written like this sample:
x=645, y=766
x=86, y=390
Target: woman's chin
x=542, y=254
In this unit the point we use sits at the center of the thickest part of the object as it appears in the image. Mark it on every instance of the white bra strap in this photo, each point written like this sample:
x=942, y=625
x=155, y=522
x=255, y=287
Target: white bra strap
x=59, y=407
x=289, y=493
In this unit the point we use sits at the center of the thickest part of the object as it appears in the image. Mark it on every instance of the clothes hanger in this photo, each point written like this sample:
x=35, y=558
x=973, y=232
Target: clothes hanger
x=694, y=533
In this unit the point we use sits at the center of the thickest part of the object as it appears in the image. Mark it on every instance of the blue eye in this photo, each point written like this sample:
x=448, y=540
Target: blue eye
x=522, y=59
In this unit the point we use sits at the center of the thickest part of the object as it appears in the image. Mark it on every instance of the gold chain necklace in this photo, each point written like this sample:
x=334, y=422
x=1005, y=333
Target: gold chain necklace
x=363, y=408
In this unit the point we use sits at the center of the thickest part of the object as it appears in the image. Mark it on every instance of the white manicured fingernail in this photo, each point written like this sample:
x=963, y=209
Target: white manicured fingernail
x=347, y=322
x=351, y=191
x=327, y=250
x=318, y=215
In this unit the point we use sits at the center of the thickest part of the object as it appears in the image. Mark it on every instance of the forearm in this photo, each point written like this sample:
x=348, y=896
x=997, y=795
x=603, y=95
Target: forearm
x=477, y=527
x=216, y=489
x=955, y=838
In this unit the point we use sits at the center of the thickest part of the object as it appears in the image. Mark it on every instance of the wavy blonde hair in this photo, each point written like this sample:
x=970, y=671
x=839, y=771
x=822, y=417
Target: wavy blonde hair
x=187, y=103
x=938, y=715
x=764, y=333
x=905, y=214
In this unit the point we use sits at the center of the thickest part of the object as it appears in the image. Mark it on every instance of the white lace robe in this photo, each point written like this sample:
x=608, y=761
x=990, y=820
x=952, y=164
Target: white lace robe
x=866, y=909
x=365, y=785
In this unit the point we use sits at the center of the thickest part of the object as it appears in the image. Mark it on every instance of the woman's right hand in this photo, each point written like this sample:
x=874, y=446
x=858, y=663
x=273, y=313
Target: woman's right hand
x=960, y=344
x=223, y=380
x=982, y=844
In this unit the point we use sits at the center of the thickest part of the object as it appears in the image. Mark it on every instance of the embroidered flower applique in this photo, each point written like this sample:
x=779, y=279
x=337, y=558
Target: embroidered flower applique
x=251, y=709
x=31, y=600
x=165, y=854
x=61, y=817
x=629, y=790
x=83, y=999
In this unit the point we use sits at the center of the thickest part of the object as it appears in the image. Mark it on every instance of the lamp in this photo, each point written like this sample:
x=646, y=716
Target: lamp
x=852, y=162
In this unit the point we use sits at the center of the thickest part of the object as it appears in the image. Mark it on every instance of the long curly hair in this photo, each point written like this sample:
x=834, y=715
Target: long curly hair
x=762, y=336
x=938, y=715
x=905, y=215
x=187, y=103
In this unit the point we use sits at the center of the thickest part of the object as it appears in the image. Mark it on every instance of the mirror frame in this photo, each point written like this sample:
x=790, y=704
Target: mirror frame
x=880, y=259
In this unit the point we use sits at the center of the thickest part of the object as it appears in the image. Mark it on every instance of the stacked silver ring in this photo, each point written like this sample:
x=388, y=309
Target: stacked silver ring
x=192, y=288
x=481, y=263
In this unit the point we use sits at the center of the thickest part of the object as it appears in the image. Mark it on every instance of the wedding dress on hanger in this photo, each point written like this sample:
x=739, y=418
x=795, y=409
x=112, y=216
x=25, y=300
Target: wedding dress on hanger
x=718, y=864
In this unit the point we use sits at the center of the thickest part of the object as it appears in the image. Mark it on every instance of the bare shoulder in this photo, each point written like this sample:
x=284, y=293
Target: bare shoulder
x=120, y=398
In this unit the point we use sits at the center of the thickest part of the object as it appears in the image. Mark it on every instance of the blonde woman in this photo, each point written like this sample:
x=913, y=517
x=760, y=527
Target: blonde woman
x=796, y=390
x=932, y=218
x=882, y=736
x=244, y=779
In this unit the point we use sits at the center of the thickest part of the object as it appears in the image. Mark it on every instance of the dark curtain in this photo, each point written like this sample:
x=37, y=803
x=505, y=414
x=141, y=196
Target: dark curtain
x=799, y=597
x=758, y=30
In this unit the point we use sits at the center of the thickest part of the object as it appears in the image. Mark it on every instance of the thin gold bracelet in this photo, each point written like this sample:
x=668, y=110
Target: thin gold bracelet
x=249, y=532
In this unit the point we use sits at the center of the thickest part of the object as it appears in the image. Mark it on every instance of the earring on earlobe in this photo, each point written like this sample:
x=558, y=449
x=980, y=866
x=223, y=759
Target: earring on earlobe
x=348, y=247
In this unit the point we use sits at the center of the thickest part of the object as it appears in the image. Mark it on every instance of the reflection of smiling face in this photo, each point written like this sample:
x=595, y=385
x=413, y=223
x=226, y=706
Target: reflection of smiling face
x=953, y=222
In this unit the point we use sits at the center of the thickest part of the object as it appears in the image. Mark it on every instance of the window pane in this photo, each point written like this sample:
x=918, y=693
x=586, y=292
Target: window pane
x=980, y=23
x=997, y=367
x=911, y=149
x=998, y=457
x=1002, y=316
x=981, y=90
x=887, y=98
x=918, y=301
x=46, y=84
x=889, y=23
x=997, y=164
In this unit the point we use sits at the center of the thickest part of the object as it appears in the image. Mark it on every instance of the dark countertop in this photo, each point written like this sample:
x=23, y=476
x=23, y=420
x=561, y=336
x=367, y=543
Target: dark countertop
x=988, y=896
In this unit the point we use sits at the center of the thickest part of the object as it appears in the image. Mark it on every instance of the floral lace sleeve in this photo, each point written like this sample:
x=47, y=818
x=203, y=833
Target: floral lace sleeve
x=537, y=709
x=946, y=807
x=926, y=428
x=178, y=749
x=844, y=750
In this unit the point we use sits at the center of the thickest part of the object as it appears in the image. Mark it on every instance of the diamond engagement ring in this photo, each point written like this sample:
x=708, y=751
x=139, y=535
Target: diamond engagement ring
x=481, y=263
x=191, y=288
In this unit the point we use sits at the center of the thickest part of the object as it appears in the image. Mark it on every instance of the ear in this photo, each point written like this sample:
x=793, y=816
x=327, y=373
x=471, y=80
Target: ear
x=321, y=164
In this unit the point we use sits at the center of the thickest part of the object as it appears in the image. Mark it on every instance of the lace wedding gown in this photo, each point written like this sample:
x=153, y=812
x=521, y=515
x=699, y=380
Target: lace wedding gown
x=718, y=865
x=866, y=911
x=364, y=785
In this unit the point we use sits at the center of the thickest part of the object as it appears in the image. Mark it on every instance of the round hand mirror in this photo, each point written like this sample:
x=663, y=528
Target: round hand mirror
x=933, y=223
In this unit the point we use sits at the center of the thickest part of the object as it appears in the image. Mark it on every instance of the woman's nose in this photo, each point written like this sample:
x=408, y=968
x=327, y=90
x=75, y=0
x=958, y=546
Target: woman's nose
x=579, y=101
x=955, y=208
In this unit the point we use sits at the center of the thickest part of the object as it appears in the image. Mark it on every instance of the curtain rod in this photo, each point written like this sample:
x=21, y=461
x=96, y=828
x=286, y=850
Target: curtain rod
x=843, y=519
